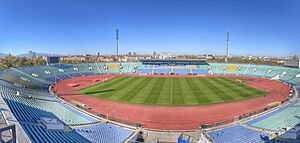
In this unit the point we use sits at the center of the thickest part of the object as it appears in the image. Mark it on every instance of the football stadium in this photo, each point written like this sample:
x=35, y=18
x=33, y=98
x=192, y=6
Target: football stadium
x=197, y=71
x=117, y=102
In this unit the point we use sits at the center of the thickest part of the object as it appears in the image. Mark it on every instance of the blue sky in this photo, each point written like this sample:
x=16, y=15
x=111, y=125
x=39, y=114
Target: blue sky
x=258, y=27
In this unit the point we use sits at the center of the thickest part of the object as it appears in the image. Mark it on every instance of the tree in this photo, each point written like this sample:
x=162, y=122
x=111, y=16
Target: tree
x=14, y=62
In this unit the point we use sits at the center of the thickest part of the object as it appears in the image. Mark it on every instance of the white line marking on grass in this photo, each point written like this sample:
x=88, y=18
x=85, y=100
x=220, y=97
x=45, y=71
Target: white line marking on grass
x=171, y=90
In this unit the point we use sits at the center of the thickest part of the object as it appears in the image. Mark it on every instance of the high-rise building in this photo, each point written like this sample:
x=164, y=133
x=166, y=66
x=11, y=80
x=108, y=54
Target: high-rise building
x=32, y=54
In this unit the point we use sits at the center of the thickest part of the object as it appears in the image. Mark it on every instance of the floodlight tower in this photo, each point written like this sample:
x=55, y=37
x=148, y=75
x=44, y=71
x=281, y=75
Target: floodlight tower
x=117, y=40
x=227, y=46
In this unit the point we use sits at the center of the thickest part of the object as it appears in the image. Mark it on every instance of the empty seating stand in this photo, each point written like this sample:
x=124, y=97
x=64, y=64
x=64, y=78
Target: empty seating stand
x=104, y=133
x=236, y=134
x=38, y=134
x=29, y=110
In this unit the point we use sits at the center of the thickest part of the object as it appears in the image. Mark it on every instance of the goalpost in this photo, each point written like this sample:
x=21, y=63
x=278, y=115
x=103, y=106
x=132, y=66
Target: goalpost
x=238, y=81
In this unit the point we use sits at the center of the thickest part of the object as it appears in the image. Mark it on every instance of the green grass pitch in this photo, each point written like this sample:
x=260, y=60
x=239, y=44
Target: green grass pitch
x=172, y=91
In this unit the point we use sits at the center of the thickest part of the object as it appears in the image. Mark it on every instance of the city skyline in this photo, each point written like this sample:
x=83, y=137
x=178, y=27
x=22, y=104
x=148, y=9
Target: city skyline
x=267, y=28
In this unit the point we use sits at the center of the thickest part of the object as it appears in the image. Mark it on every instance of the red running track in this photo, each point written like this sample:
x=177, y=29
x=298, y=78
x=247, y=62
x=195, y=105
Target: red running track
x=172, y=117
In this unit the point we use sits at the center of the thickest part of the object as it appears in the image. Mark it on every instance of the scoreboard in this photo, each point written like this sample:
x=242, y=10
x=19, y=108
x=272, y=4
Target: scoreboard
x=52, y=60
